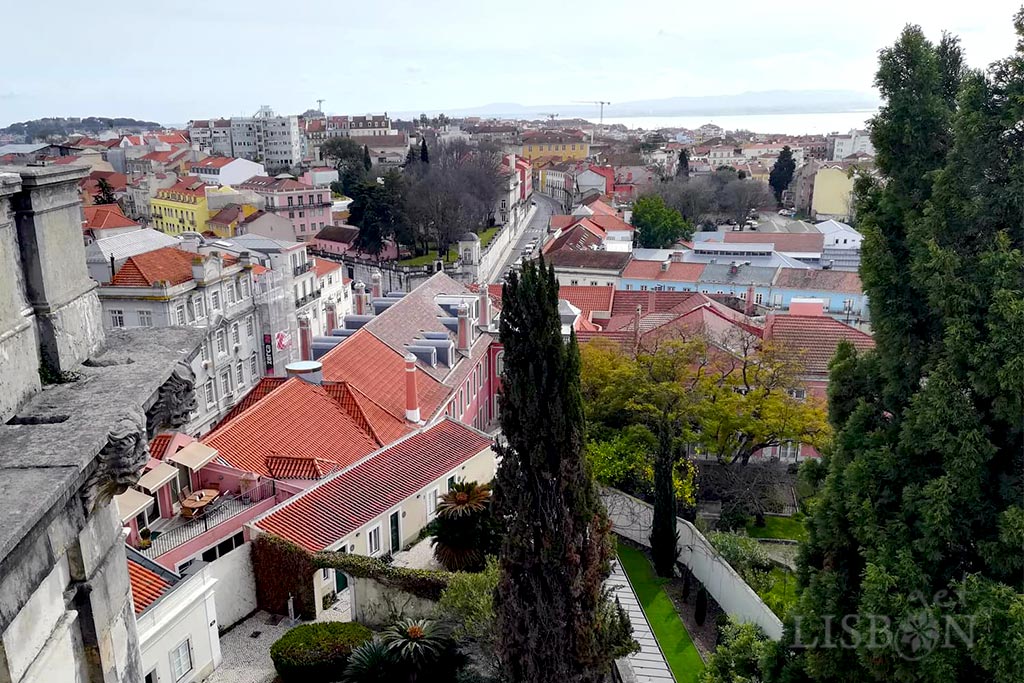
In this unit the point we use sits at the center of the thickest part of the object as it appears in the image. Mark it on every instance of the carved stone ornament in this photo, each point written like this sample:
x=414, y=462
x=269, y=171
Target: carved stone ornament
x=120, y=462
x=176, y=400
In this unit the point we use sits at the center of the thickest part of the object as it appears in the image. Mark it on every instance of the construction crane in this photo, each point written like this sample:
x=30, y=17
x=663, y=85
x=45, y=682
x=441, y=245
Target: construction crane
x=551, y=116
x=601, y=104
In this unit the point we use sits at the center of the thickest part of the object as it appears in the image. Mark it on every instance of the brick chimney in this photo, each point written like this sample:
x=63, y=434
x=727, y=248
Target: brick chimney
x=748, y=309
x=485, y=308
x=412, y=399
x=332, y=315
x=375, y=286
x=464, y=333
x=305, y=339
x=359, y=298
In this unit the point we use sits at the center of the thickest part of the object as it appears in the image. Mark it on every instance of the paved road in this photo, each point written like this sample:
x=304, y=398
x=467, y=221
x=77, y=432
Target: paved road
x=534, y=231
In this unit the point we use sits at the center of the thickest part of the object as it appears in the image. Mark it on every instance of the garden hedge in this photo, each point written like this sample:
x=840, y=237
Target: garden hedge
x=317, y=653
x=422, y=583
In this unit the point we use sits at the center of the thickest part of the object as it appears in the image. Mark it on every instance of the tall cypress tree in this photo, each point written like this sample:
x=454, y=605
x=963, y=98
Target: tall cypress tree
x=550, y=605
x=424, y=153
x=921, y=519
x=782, y=173
x=367, y=163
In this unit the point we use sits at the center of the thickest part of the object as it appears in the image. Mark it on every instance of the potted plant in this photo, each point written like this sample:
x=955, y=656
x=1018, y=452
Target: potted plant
x=145, y=538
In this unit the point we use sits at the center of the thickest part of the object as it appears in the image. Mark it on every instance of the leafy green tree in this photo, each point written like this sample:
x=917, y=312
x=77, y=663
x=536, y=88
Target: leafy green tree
x=344, y=152
x=658, y=226
x=920, y=520
x=378, y=210
x=737, y=659
x=424, y=152
x=552, y=616
x=781, y=174
x=105, y=195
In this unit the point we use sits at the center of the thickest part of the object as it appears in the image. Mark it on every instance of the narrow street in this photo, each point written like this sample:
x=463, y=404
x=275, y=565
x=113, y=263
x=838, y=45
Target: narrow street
x=536, y=230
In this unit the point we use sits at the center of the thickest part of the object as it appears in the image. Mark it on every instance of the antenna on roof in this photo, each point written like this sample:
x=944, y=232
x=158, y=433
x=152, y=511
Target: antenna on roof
x=320, y=105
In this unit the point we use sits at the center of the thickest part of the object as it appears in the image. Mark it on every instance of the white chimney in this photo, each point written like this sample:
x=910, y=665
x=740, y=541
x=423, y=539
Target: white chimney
x=359, y=299
x=375, y=286
x=311, y=371
x=485, y=307
x=464, y=334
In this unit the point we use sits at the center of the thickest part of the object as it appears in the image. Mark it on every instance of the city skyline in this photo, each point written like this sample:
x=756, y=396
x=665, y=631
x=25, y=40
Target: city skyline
x=401, y=59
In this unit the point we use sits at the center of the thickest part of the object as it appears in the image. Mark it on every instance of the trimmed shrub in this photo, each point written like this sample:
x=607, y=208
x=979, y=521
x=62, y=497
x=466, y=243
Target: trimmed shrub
x=317, y=653
x=422, y=583
x=283, y=569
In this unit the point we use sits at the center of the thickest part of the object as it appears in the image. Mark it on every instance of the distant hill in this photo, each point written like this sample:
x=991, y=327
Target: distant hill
x=61, y=127
x=767, y=102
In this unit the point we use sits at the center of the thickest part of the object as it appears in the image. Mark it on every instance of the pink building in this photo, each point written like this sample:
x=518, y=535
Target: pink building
x=307, y=207
x=525, y=170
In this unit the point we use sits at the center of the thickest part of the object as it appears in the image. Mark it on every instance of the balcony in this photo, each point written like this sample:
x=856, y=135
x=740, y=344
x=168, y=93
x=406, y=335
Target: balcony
x=308, y=299
x=178, y=530
x=302, y=268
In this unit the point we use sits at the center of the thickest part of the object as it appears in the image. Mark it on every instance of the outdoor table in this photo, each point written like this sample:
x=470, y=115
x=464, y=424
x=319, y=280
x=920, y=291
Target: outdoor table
x=194, y=504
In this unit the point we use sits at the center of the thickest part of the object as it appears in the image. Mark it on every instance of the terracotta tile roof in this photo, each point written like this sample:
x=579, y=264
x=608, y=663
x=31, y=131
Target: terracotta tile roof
x=158, y=445
x=338, y=506
x=609, y=222
x=91, y=183
x=377, y=421
x=652, y=270
x=296, y=419
x=166, y=264
x=100, y=216
x=262, y=183
x=597, y=260
x=804, y=242
x=588, y=299
x=812, y=339
x=819, y=280
x=323, y=266
x=344, y=234
x=379, y=141
x=255, y=395
x=162, y=157
x=595, y=204
x=579, y=237
x=559, y=222
x=228, y=215
x=213, y=162
x=375, y=369
x=188, y=184
x=289, y=467
x=147, y=586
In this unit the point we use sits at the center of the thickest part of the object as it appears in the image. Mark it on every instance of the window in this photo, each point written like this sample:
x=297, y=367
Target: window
x=451, y=482
x=116, y=317
x=235, y=339
x=759, y=298
x=431, y=504
x=181, y=660
x=254, y=368
x=200, y=312
x=225, y=383
x=499, y=363
x=373, y=541
x=215, y=301
x=291, y=201
x=145, y=318
x=325, y=573
x=239, y=373
x=250, y=327
x=798, y=394
x=222, y=344
x=231, y=294
x=789, y=450
x=179, y=314
x=244, y=283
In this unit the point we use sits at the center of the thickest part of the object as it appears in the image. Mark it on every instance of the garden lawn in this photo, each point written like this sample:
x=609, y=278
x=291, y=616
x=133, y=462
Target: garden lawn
x=487, y=235
x=429, y=258
x=791, y=528
x=675, y=643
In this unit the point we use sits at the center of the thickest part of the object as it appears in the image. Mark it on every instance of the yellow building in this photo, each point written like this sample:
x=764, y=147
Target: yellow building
x=225, y=222
x=832, y=196
x=181, y=207
x=565, y=145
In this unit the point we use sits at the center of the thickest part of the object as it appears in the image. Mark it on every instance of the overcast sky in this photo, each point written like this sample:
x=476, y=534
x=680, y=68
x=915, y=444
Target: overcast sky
x=172, y=61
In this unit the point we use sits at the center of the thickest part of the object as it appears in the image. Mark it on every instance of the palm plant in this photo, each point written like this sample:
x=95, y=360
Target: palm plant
x=415, y=644
x=462, y=536
x=371, y=662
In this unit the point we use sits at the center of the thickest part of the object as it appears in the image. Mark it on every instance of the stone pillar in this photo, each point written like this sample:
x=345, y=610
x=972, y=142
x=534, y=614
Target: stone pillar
x=19, y=347
x=48, y=216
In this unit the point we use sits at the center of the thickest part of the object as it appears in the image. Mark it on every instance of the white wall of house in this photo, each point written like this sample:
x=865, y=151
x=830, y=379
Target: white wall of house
x=185, y=618
x=235, y=596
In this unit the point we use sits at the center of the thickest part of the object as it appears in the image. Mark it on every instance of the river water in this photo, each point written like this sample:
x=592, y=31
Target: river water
x=788, y=124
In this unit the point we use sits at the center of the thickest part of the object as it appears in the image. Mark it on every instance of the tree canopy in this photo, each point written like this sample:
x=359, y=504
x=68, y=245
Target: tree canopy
x=781, y=174
x=658, y=226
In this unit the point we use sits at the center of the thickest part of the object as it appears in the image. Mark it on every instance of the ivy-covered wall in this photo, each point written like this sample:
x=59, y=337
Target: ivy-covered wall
x=282, y=569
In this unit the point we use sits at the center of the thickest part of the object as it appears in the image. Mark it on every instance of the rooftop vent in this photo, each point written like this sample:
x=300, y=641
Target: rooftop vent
x=425, y=354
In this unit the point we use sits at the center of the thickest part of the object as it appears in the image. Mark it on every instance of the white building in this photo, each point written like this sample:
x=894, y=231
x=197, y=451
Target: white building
x=225, y=170
x=841, y=250
x=276, y=141
x=855, y=141
x=176, y=619
x=212, y=136
x=202, y=288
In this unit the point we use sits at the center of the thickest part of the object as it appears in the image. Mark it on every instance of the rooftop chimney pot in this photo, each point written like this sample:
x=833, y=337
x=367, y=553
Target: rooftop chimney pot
x=412, y=400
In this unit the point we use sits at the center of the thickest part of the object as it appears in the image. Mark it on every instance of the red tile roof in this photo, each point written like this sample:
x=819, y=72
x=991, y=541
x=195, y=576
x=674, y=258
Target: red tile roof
x=255, y=395
x=609, y=222
x=812, y=339
x=289, y=467
x=231, y=213
x=338, y=506
x=323, y=266
x=652, y=270
x=91, y=183
x=158, y=445
x=146, y=584
x=559, y=221
x=143, y=270
x=101, y=216
x=262, y=183
x=375, y=369
x=588, y=299
x=584, y=236
x=188, y=184
x=819, y=280
x=213, y=162
x=804, y=242
x=296, y=419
